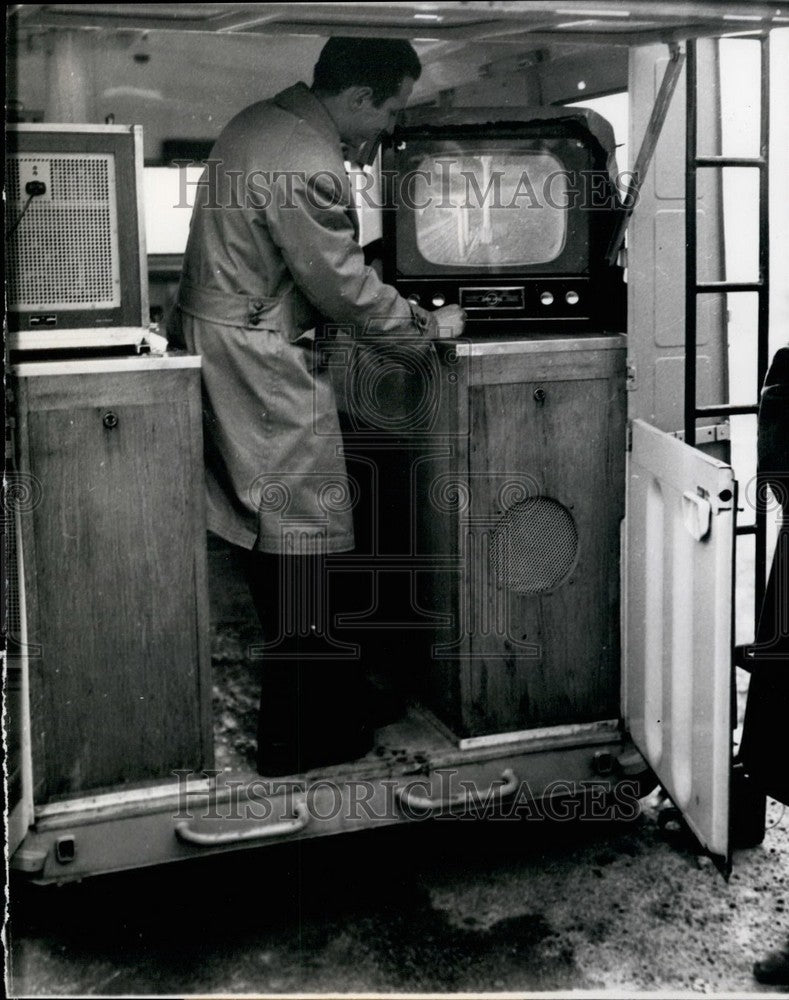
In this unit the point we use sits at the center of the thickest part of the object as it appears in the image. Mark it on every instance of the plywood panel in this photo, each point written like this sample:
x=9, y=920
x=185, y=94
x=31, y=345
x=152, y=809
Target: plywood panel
x=558, y=659
x=544, y=424
x=115, y=554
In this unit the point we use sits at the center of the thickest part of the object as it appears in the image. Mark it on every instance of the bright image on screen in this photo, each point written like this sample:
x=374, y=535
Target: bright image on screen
x=489, y=210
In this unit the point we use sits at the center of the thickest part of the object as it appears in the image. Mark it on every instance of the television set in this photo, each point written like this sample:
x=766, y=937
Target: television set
x=507, y=214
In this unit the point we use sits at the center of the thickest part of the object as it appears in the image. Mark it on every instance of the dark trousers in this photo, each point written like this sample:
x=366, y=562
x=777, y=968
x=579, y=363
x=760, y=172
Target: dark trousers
x=313, y=702
x=765, y=747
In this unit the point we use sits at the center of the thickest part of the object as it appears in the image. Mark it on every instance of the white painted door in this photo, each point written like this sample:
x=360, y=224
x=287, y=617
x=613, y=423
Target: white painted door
x=679, y=561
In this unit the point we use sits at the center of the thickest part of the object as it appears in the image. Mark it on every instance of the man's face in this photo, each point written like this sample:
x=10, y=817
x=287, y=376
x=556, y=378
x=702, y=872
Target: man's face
x=365, y=121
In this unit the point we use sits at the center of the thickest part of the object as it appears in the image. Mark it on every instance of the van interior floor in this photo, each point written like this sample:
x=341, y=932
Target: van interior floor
x=236, y=675
x=411, y=738
x=236, y=693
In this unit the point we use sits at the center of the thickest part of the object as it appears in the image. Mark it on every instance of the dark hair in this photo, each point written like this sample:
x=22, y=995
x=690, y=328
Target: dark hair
x=379, y=63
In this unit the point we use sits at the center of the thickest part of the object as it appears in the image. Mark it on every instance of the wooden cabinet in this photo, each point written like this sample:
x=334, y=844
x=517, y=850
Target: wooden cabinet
x=115, y=571
x=521, y=494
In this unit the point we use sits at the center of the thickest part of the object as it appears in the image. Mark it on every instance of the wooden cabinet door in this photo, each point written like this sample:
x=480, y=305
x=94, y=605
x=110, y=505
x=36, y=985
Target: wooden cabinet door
x=534, y=601
x=115, y=567
x=543, y=546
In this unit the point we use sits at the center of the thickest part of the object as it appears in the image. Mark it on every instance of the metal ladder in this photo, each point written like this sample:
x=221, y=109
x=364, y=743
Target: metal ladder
x=694, y=288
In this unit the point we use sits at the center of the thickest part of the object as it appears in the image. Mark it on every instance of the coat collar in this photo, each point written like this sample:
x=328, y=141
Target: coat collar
x=300, y=101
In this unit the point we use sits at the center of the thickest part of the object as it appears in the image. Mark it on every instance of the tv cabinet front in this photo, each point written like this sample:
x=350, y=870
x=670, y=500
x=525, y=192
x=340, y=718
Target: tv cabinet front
x=520, y=496
x=115, y=577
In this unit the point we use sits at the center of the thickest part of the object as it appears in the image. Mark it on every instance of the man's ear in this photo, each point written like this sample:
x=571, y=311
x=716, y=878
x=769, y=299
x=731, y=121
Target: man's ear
x=359, y=96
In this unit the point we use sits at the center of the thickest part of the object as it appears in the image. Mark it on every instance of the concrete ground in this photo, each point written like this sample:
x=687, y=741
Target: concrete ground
x=439, y=907
x=436, y=906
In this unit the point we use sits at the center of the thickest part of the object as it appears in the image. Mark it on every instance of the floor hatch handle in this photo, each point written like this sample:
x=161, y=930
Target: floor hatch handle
x=260, y=831
x=417, y=800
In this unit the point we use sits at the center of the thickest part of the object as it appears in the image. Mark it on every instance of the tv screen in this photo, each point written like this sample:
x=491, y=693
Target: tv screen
x=479, y=205
x=494, y=215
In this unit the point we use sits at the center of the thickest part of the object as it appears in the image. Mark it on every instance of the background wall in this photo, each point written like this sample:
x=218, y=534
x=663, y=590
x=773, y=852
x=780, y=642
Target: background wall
x=183, y=85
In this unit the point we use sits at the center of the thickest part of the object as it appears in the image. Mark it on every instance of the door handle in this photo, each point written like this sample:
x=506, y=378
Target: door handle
x=696, y=514
x=260, y=831
x=415, y=800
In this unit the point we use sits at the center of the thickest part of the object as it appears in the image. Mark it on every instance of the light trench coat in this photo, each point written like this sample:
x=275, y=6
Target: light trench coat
x=272, y=253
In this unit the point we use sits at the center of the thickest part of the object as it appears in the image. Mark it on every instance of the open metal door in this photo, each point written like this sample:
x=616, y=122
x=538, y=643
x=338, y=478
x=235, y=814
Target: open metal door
x=679, y=563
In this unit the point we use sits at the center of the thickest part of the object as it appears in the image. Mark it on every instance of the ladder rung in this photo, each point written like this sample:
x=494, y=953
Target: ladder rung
x=730, y=161
x=727, y=410
x=729, y=286
x=745, y=529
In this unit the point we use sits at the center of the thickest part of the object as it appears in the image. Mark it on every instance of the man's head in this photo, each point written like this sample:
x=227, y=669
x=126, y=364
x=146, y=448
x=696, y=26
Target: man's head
x=364, y=83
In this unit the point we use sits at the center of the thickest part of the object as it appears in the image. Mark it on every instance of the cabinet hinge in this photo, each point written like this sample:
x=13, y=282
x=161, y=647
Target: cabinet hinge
x=631, y=376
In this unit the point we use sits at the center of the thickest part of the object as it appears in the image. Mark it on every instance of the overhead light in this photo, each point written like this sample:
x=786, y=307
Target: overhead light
x=136, y=93
x=598, y=13
x=742, y=17
x=428, y=17
x=576, y=24
x=581, y=85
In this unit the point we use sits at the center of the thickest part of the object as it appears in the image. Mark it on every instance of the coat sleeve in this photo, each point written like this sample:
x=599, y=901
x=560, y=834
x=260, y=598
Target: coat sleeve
x=309, y=220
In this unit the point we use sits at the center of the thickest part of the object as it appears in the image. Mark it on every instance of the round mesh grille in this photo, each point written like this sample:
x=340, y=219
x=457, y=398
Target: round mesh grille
x=534, y=546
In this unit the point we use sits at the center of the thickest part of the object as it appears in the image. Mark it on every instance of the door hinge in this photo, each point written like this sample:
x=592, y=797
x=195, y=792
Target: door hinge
x=631, y=376
x=708, y=434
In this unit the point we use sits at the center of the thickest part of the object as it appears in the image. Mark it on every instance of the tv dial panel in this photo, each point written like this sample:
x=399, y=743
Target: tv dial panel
x=565, y=299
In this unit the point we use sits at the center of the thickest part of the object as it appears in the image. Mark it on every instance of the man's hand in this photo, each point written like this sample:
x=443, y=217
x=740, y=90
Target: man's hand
x=450, y=321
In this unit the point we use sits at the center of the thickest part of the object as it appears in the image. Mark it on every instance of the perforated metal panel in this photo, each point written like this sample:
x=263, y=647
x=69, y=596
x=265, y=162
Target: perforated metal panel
x=64, y=253
x=534, y=546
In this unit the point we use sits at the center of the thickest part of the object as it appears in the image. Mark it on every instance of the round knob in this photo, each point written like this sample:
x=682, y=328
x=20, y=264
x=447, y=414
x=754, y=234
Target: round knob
x=539, y=395
x=110, y=420
x=547, y=298
x=571, y=298
x=439, y=300
x=414, y=299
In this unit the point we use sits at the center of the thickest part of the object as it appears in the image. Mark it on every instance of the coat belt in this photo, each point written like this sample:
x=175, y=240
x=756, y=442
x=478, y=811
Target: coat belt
x=230, y=309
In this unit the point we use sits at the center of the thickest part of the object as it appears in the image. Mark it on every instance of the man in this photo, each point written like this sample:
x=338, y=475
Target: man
x=272, y=255
x=763, y=747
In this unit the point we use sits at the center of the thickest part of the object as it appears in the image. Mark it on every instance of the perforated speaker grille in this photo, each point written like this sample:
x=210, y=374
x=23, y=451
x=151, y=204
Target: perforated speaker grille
x=64, y=252
x=534, y=546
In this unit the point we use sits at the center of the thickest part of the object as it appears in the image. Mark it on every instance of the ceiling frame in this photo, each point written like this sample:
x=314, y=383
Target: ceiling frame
x=504, y=22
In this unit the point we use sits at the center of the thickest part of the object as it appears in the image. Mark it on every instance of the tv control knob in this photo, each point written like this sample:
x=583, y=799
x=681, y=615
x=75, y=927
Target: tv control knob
x=547, y=298
x=413, y=299
x=571, y=298
x=439, y=300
